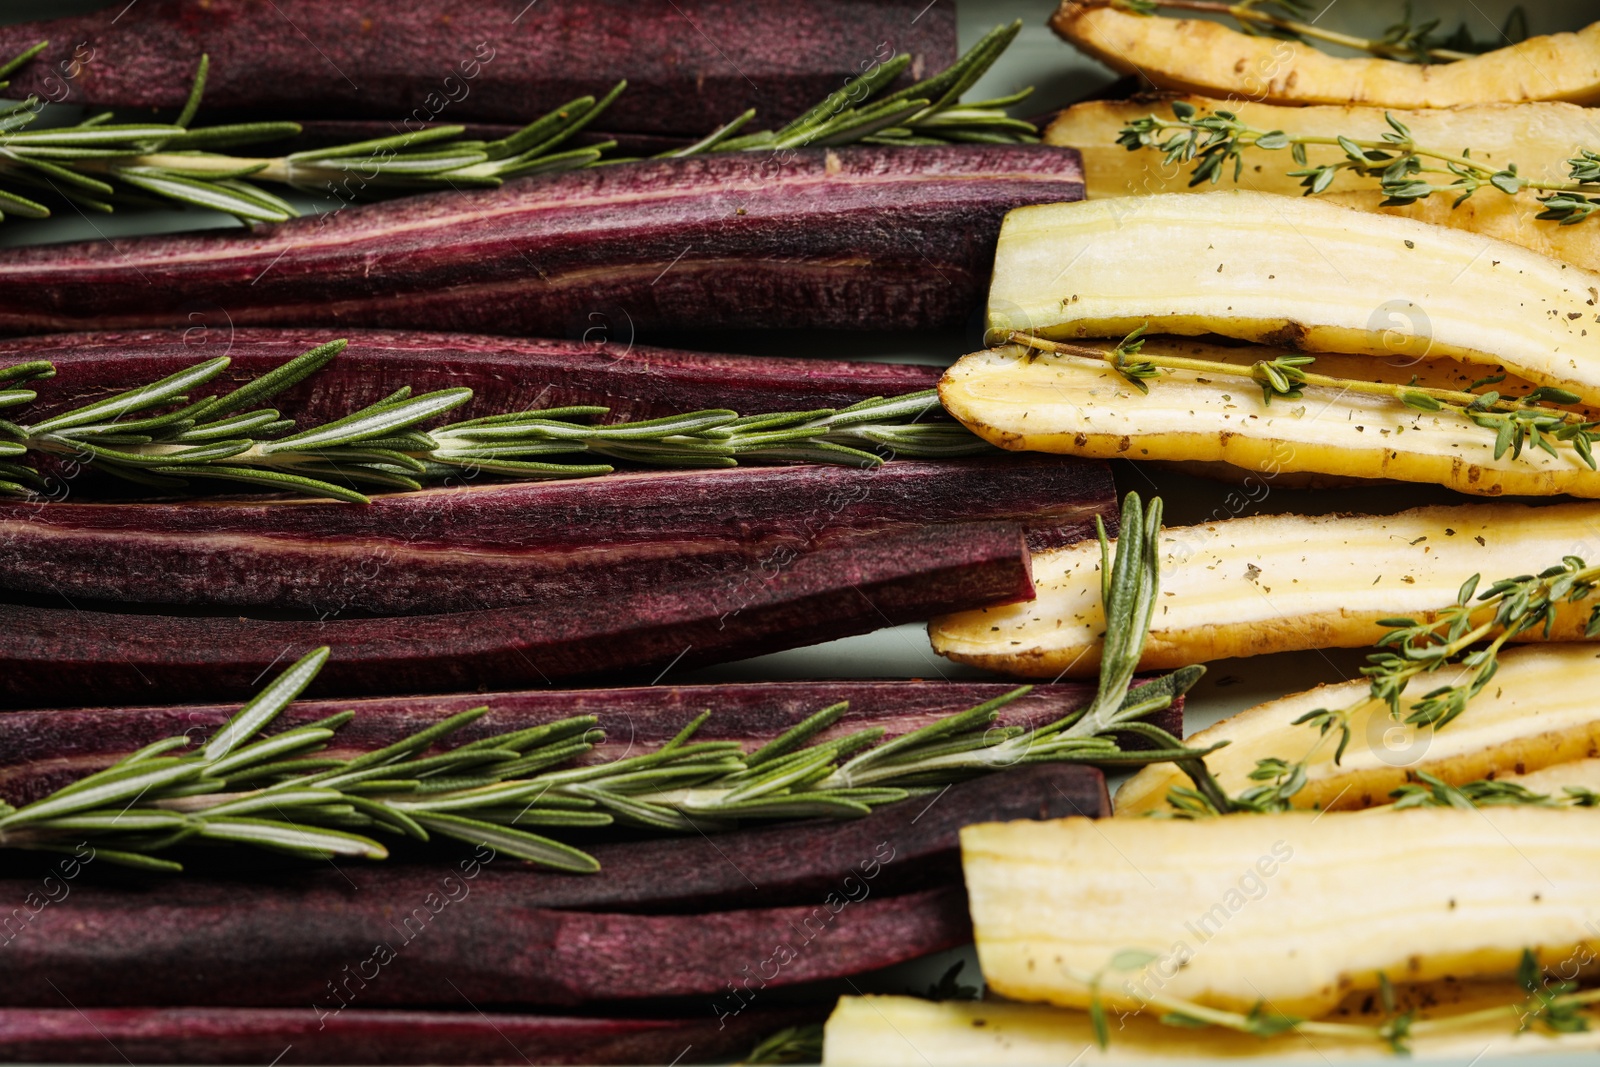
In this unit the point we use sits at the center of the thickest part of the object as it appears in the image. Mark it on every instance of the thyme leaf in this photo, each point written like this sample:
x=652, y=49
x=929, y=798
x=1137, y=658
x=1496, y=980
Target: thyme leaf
x=1466, y=638
x=1515, y=423
x=1555, y=1007
x=1395, y=163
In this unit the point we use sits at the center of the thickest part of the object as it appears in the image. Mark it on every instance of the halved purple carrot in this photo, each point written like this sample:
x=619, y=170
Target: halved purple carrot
x=848, y=238
x=457, y=939
x=66, y=657
x=844, y=896
x=690, y=65
x=493, y=545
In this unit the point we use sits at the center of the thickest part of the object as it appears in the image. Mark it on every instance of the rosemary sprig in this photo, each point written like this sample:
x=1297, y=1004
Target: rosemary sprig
x=1405, y=41
x=229, y=438
x=1553, y=1006
x=93, y=164
x=1395, y=163
x=1467, y=636
x=1130, y=584
x=927, y=113
x=273, y=791
x=1516, y=422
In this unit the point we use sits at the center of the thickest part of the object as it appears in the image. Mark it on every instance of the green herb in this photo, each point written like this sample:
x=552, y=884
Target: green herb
x=95, y=164
x=793, y=1044
x=1130, y=583
x=928, y=113
x=1395, y=163
x=1125, y=358
x=1432, y=792
x=1410, y=650
x=273, y=791
x=1515, y=422
x=229, y=438
x=1406, y=41
x=1554, y=1007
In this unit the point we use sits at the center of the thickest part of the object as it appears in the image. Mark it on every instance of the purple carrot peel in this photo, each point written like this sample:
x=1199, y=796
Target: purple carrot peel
x=691, y=65
x=67, y=657
x=456, y=939
x=848, y=238
x=295, y=1036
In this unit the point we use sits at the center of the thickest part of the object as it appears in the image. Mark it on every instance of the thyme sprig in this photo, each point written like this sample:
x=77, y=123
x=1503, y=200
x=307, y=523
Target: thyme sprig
x=94, y=164
x=1469, y=635
x=1528, y=421
x=1406, y=41
x=1433, y=792
x=1557, y=1007
x=1395, y=162
x=155, y=436
x=1466, y=637
x=245, y=786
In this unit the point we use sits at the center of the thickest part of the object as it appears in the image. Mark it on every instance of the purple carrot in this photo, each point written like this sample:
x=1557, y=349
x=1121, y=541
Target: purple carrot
x=41, y=751
x=690, y=65
x=146, y=946
x=505, y=374
x=294, y=1036
x=495, y=544
x=849, y=238
x=65, y=657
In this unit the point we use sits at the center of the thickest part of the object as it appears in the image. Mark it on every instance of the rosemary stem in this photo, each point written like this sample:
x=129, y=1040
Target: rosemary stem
x=208, y=163
x=1130, y=586
x=202, y=801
